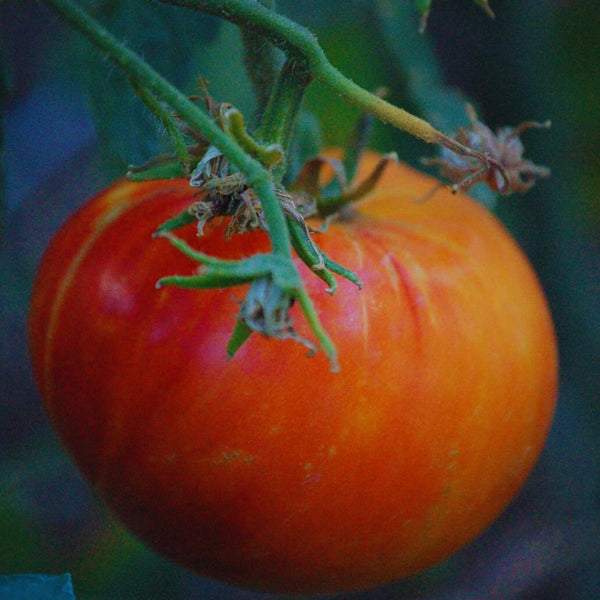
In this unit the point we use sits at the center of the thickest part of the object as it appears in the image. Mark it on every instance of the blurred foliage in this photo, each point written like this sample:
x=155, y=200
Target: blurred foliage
x=535, y=60
x=579, y=82
x=36, y=587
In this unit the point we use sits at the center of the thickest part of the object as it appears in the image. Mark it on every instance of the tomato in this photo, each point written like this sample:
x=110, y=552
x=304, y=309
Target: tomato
x=270, y=471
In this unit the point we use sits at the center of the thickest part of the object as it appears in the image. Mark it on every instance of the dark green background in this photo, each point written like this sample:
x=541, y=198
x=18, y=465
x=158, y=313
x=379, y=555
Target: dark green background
x=69, y=127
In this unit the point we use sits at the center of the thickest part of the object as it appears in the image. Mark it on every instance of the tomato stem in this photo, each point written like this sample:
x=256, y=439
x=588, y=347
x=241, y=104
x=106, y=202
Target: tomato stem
x=277, y=123
x=262, y=61
x=298, y=42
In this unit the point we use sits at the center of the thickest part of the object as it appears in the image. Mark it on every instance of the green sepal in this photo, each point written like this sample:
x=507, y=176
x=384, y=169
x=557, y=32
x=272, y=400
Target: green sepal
x=167, y=170
x=182, y=219
x=345, y=273
x=310, y=254
x=241, y=332
x=218, y=272
x=319, y=263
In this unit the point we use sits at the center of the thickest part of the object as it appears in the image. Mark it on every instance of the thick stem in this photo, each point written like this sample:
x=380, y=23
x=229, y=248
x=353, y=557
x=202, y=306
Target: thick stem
x=262, y=61
x=277, y=123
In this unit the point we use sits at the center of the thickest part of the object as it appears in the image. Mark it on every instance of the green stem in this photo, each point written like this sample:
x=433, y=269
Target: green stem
x=297, y=41
x=278, y=264
x=277, y=123
x=262, y=61
x=141, y=72
x=324, y=340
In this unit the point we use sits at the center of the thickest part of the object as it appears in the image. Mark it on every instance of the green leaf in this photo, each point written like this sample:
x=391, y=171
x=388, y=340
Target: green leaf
x=180, y=220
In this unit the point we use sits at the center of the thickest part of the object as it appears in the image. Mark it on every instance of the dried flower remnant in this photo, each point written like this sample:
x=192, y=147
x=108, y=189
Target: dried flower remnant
x=504, y=169
x=266, y=310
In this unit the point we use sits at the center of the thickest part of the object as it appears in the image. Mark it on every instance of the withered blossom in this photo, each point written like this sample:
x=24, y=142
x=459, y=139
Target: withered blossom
x=503, y=169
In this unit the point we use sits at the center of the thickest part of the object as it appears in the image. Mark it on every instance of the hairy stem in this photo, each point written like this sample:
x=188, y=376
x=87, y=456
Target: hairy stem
x=279, y=262
x=277, y=123
x=298, y=41
x=262, y=61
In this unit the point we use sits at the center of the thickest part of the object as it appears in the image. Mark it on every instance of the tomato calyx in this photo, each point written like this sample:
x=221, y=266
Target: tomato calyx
x=270, y=296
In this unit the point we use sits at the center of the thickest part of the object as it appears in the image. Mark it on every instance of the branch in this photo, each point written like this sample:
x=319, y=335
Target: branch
x=300, y=44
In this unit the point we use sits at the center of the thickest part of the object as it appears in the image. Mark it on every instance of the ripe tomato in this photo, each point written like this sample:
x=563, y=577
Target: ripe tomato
x=270, y=471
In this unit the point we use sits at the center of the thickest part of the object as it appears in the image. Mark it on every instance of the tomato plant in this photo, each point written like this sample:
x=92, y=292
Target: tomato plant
x=269, y=470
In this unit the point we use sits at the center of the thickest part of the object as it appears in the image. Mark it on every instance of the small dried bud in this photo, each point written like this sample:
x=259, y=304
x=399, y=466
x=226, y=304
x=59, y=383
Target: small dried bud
x=500, y=163
x=266, y=310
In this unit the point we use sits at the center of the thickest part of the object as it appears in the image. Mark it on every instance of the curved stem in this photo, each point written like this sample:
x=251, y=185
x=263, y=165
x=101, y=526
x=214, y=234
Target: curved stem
x=296, y=40
x=279, y=261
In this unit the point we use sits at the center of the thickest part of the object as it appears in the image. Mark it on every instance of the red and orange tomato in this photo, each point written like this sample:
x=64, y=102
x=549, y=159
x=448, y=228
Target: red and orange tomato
x=270, y=471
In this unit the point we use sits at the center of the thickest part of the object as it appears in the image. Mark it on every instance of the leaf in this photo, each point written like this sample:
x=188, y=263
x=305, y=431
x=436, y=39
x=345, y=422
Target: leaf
x=36, y=587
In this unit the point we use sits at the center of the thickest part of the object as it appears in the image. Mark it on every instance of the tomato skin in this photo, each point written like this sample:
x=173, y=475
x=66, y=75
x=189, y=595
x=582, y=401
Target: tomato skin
x=269, y=471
